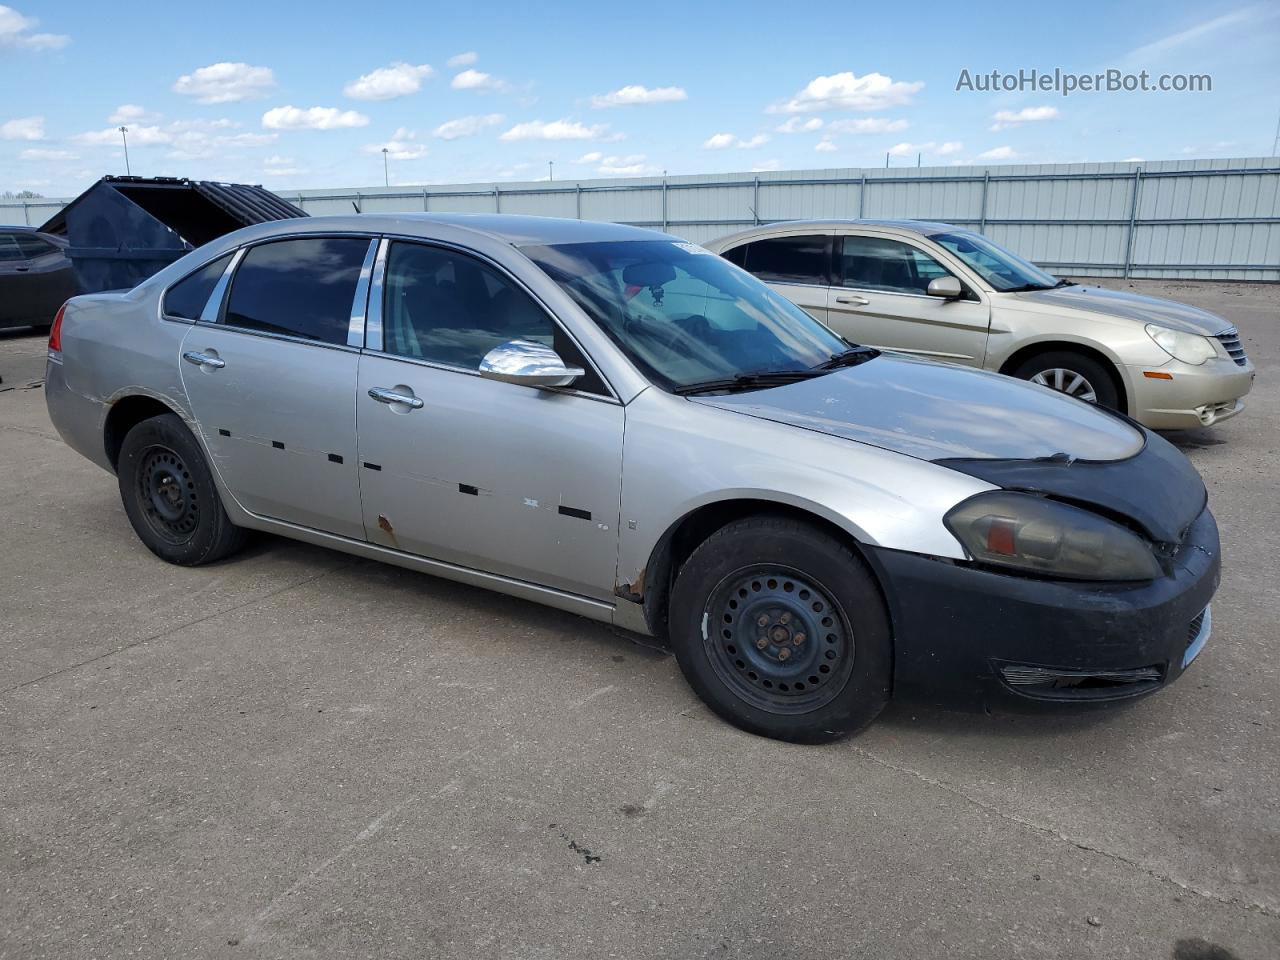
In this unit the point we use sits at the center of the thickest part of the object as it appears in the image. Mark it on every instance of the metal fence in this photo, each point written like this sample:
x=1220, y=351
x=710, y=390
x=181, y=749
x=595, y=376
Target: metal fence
x=1190, y=219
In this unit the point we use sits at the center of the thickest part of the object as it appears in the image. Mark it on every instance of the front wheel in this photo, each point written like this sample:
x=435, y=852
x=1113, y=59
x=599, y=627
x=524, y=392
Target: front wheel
x=170, y=497
x=780, y=628
x=1074, y=374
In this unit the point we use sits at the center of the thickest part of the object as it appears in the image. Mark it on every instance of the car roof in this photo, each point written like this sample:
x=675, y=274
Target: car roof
x=924, y=228
x=514, y=229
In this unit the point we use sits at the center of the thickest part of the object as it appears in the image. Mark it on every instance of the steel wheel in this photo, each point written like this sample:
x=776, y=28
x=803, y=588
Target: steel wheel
x=167, y=494
x=777, y=639
x=1066, y=381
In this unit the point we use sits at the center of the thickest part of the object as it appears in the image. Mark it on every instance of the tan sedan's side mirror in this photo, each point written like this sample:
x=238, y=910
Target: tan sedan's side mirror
x=946, y=287
x=528, y=362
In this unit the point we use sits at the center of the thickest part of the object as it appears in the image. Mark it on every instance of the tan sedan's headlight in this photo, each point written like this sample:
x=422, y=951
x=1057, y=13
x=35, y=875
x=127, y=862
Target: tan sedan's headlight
x=1187, y=347
x=1053, y=539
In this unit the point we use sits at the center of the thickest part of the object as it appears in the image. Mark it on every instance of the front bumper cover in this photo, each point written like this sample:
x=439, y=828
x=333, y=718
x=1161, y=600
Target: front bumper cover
x=958, y=628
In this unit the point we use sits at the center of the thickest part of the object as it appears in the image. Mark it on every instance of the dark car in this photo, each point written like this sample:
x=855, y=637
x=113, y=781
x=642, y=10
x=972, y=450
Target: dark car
x=35, y=277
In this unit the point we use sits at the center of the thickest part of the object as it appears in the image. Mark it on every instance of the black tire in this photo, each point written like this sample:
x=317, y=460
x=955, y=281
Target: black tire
x=799, y=590
x=170, y=497
x=1098, y=375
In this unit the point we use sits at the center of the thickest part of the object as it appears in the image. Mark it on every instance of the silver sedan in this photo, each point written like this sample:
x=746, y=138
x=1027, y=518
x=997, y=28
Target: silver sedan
x=625, y=426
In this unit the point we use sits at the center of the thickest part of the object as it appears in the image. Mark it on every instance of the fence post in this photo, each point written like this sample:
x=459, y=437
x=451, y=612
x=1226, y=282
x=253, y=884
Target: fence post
x=577, y=199
x=497, y=202
x=664, y=203
x=26, y=214
x=982, y=216
x=1133, y=217
x=424, y=200
x=357, y=202
x=862, y=190
x=755, y=200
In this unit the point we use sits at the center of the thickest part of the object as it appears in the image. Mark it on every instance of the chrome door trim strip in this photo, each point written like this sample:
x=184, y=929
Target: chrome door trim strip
x=373, y=314
x=360, y=303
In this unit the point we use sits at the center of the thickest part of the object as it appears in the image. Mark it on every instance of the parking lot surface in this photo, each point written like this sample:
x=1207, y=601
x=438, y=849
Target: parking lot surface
x=301, y=754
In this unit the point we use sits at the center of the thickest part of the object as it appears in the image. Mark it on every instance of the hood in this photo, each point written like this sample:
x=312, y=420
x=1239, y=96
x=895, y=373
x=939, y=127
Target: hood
x=935, y=411
x=1130, y=306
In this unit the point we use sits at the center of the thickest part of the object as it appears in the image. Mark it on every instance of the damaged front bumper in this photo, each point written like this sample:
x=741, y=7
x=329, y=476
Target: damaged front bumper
x=962, y=631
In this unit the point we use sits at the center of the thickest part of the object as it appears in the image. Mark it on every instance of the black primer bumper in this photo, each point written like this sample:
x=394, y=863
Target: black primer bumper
x=956, y=626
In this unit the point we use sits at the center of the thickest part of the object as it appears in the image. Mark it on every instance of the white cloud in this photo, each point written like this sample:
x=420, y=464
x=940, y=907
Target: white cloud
x=141, y=134
x=636, y=94
x=466, y=126
x=387, y=83
x=312, y=118
x=723, y=141
x=766, y=166
x=476, y=80
x=225, y=83
x=282, y=167
x=629, y=166
x=1016, y=118
x=800, y=125
x=825, y=145
x=945, y=149
x=16, y=30
x=868, y=125
x=463, y=59
x=41, y=153
x=1157, y=49
x=246, y=139
x=1126, y=159
x=847, y=91
x=998, y=153
x=401, y=146
x=556, y=130
x=132, y=113
x=23, y=128
x=595, y=156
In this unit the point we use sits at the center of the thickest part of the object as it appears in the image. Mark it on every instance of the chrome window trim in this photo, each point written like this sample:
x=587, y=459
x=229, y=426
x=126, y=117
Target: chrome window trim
x=360, y=303
x=375, y=345
x=373, y=316
x=213, y=306
x=269, y=335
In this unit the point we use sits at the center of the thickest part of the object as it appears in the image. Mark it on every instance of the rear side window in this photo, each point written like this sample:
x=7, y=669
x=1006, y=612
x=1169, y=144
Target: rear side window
x=302, y=288
x=32, y=247
x=737, y=256
x=9, y=249
x=187, y=297
x=447, y=307
x=790, y=259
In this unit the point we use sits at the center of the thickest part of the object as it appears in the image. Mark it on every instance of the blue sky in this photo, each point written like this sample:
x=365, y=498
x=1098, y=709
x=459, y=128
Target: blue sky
x=268, y=93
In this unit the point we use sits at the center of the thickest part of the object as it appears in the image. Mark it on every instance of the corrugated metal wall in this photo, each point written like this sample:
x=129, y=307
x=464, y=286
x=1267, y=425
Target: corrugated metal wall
x=1195, y=219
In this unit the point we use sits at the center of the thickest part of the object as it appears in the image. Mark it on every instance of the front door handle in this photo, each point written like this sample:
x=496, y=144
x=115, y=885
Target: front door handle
x=204, y=360
x=383, y=395
x=853, y=299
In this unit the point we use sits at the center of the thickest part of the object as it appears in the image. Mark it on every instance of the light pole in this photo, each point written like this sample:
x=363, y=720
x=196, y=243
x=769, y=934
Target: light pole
x=386, y=174
x=124, y=135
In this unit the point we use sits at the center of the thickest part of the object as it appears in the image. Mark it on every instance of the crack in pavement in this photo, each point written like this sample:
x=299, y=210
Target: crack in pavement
x=29, y=432
x=1184, y=885
x=164, y=633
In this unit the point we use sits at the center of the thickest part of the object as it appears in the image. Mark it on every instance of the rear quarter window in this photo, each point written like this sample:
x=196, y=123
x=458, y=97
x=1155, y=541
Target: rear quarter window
x=186, y=299
x=804, y=259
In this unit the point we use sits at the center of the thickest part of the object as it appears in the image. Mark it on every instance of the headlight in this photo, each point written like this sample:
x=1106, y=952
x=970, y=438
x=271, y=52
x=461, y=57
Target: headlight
x=1035, y=535
x=1187, y=347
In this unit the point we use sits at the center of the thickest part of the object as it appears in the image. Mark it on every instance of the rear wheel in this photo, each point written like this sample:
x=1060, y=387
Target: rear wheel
x=169, y=494
x=1074, y=374
x=780, y=628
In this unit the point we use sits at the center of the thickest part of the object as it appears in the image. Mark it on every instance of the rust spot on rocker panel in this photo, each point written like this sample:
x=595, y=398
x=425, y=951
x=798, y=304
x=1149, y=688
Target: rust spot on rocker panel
x=385, y=526
x=633, y=591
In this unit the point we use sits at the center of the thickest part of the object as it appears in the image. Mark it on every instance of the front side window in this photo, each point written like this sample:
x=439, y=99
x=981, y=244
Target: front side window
x=302, y=288
x=1005, y=271
x=446, y=307
x=684, y=315
x=877, y=263
x=789, y=259
x=187, y=298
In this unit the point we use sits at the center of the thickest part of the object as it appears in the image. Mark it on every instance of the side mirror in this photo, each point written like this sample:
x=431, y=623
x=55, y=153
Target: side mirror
x=946, y=287
x=528, y=362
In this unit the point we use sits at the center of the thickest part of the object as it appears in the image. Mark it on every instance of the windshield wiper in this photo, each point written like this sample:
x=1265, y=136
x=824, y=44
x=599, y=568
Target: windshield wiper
x=745, y=381
x=849, y=358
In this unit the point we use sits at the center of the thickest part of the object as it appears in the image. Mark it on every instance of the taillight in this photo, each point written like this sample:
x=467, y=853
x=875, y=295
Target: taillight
x=55, y=332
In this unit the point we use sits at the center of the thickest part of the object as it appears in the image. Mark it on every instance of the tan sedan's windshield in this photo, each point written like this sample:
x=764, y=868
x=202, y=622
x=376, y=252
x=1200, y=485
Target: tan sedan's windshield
x=684, y=315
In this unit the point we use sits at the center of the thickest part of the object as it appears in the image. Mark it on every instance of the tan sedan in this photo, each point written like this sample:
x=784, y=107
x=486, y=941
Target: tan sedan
x=949, y=294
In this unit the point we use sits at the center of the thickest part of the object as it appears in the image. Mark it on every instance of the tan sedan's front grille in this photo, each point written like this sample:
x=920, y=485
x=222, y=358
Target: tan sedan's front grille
x=1231, y=340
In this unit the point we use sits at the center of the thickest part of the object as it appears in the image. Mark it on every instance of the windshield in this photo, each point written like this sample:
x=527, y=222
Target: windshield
x=684, y=315
x=1005, y=271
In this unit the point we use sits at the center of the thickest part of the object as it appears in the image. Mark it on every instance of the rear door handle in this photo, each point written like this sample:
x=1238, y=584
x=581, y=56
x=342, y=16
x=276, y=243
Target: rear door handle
x=383, y=395
x=204, y=360
x=853, y=299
